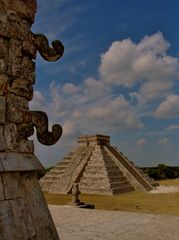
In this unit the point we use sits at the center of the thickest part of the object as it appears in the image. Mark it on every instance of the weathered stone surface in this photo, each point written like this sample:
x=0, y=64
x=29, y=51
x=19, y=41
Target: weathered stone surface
x=7, y=224
x=28, y=63
x=13, y=187
x=17, y=109
x=15, y=52
x=29, y=49
x=16, y=27
x=25, y=9
x=18, y=72
x=23, y=221
x=3, y=83
x=24, y=214
x=26, y=146
x=3, y=145
x=40, y=213
x=1, y=189
x=21, y=87
x=11, y=136
x=3, y=57
x=2, y=109
x=13, y=162
x=3, y=24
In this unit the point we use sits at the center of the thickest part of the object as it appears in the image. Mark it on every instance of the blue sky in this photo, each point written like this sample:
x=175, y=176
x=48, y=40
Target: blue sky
x=119, y=76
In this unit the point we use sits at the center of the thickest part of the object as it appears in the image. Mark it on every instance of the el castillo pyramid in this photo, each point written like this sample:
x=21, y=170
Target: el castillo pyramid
x=98, y=168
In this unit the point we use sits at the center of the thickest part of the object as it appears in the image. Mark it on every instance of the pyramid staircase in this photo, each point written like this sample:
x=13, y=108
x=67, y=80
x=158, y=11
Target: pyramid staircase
x=98, y=168
x=55, y=173
x=103, y=176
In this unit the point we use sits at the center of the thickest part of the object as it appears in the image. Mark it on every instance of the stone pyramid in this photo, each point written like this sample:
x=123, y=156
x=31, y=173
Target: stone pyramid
x=98, y=168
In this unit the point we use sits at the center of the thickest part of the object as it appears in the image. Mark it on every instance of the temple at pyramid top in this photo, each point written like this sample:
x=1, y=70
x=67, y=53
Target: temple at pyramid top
x=98, y=168
x=93, y=140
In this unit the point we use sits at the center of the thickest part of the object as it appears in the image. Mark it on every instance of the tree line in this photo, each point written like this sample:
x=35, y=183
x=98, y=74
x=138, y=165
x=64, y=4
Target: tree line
x=162, y=171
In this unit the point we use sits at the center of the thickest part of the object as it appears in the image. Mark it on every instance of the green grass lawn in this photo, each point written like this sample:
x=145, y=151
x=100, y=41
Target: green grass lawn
x=166, y=203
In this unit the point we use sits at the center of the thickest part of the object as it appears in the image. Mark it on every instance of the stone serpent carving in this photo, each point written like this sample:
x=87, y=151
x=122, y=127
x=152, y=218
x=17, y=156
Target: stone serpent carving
x=48, y=53
x=40, y=120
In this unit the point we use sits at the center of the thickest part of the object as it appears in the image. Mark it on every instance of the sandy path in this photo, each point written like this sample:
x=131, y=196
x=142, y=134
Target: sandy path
x=83, y=224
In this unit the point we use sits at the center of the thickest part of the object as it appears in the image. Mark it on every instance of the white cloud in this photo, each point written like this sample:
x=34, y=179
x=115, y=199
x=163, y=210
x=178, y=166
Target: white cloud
x=70, y=88
x=141, y=142
x=172, y=127
x=97, y=106
x=126, y=63
x=169, y=108
x=164, y=141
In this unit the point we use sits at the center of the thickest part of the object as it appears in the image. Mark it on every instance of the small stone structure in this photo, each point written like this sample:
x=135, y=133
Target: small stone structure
x=98, y=168
x=23, y=210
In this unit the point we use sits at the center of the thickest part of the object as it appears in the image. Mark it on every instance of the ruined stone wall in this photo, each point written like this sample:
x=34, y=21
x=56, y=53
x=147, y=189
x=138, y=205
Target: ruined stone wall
x=23, y=211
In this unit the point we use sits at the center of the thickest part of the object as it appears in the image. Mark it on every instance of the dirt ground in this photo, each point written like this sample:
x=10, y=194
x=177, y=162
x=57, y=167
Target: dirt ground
x=85, y=224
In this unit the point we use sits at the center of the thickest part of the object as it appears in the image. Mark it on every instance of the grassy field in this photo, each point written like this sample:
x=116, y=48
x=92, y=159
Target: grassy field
x=166, y=203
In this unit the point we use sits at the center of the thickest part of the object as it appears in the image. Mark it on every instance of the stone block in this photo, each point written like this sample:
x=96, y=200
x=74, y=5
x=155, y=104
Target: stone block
x=11, y=136
x=3, y=83
x=13, y=162
x=26, y=146
x=15, y=51
x=3, y=24
x=21, y=87
x=23, y=221
x=18, y=72
x=3, y=145
x=17, y=27
x=7, y=224
x=3, y=55
x=42, y=219
x=26, y=9
x=2, y=110
x=28, y=63
x=29, y=49
x=3, y=65
x=13, y=187
x=1, y=189
x=17, y=109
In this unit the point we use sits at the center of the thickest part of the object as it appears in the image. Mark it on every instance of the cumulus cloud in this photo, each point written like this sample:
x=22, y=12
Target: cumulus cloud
x=80, y=113
x=126, y=63
x=169, y=108
x=172, y=127
x=70, y=88
x=97, y=105
x=141, y=142
x=164, y=141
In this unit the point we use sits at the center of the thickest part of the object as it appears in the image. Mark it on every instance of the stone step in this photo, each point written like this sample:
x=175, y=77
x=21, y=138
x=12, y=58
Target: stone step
x=102, y=191
x=123, y=184
x=104, y=183
x=103, y=178
x=52, y=178
x=104, y=173
x=98, y=162
x=54, y=173
x=64, y=163
x=102, y=167
x=57, y=170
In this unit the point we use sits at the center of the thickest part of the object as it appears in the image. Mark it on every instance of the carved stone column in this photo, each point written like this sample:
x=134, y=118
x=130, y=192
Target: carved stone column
x=23, y=211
